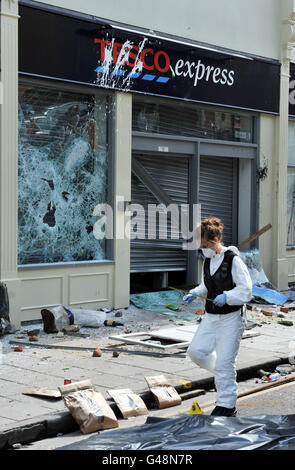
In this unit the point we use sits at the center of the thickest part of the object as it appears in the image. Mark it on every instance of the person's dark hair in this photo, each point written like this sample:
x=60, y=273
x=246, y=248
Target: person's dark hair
x=210, y=228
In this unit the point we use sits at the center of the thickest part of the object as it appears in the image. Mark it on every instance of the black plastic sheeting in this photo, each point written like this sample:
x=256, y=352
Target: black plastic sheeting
x=198, y=432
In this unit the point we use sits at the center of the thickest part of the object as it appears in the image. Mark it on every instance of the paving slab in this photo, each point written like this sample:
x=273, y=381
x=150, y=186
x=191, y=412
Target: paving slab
x=24, y=409
x=275, y=347
x=6, y=422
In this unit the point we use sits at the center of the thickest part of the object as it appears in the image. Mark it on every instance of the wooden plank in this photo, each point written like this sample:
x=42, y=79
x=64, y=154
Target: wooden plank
x=255, y=235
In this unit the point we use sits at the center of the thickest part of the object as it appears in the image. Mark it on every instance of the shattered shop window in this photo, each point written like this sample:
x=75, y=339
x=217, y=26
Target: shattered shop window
x=62, y=174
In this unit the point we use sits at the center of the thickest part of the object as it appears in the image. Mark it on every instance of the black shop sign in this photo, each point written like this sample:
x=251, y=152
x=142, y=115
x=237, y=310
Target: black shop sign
x=292, y=90
x=98, y=54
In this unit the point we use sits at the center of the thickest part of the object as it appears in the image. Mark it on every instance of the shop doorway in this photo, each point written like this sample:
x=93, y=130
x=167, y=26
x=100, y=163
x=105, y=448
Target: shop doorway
x=159, y=181
x=172, y=170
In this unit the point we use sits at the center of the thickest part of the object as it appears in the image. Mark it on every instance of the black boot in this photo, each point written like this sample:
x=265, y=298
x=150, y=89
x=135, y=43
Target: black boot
x=48, y=321
x=222, y=411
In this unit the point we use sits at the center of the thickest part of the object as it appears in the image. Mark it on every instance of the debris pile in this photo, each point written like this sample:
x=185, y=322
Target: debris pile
x=271, y=314
x=280, y=372
x=57, y=318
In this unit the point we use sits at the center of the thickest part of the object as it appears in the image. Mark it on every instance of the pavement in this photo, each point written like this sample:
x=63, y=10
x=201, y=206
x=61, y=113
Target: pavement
x=27, y=418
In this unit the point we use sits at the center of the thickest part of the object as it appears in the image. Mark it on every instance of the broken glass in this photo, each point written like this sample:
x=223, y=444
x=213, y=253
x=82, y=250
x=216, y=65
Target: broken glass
x=62, y=174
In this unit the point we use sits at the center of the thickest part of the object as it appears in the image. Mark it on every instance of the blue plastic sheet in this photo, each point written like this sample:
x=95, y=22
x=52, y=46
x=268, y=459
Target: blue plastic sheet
x=269, y=295
x=263, y=291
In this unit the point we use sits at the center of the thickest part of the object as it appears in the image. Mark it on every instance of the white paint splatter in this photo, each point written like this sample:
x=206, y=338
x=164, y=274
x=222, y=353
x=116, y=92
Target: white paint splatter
x=109, y=76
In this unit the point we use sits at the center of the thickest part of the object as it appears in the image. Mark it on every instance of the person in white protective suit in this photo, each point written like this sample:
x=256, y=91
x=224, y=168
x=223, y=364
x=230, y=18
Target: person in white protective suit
x=227, y=286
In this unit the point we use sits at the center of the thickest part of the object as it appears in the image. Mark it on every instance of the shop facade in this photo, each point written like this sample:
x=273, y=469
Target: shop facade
x=109, y=119
x=290, y=226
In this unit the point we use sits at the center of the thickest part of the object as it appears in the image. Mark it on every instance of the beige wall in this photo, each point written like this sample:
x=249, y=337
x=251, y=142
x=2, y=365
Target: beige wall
x=291, y=266
x=8, y=151
x=250, y=26
x=89, y=287
x=278, y=263
x=267, y=190
x=122, y=188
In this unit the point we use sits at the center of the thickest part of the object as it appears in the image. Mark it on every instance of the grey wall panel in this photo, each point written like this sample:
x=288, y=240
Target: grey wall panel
x=218, y=193
x=159, y=254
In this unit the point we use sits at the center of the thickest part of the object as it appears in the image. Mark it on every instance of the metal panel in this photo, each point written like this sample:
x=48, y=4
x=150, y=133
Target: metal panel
x=156, y=143
x=220, y=149
x=170, y=173
x=218, y=193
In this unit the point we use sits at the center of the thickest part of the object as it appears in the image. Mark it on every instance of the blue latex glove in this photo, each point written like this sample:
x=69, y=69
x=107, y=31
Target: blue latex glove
x=188, y=298
x=220, y=300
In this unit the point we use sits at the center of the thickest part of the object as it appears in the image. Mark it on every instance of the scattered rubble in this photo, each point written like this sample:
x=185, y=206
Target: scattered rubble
x=71, y=329
x=280, y=371
x=271, y=314
x=137, y=320
x=97, y=353
x=33, y=338
x=33, y=332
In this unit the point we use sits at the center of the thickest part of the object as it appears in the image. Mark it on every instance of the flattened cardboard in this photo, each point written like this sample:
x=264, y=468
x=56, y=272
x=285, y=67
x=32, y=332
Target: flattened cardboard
x=75, y=386
x=166, y=396
x=157, y=380
x=162, y=380
x=44, y=393
x=129, y=403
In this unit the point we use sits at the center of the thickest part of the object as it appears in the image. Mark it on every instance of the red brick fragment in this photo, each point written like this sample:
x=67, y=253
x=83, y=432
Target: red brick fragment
x=97, y=353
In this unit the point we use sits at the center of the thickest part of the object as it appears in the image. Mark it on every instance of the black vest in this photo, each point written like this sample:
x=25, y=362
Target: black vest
x=218, y=283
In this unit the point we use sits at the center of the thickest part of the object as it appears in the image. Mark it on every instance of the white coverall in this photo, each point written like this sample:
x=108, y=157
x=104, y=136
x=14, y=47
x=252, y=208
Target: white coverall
x=216, y=342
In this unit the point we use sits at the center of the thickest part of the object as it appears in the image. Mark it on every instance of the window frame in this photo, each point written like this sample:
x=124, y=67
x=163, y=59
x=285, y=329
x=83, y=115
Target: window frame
x=110, y=129
x=188, y=105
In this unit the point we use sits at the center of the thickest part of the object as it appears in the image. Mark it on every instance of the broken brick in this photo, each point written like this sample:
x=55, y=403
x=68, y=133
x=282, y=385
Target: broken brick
x=97, y=353
x=200, y=312
x=267, y=311
x=33, y=338
x=284, y=309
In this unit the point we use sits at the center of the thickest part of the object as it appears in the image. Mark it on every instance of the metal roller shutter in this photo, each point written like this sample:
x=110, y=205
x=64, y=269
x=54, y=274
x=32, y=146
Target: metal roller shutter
x=170, y=174
x=217, y=194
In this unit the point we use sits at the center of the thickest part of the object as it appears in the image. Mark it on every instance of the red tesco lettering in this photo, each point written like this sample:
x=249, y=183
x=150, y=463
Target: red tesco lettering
x=150, y=59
